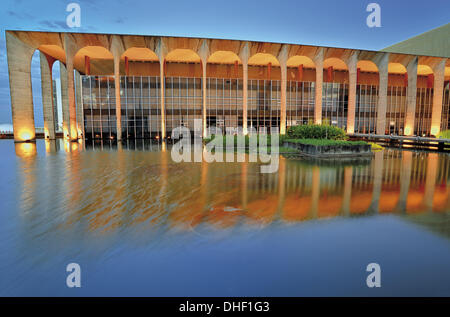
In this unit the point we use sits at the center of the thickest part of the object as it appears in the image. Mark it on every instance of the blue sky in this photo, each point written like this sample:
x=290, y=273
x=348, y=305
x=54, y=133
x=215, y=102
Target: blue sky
x=320, y=22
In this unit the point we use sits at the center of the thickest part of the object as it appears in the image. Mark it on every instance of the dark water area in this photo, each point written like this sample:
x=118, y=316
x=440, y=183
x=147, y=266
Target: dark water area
x=140, y=224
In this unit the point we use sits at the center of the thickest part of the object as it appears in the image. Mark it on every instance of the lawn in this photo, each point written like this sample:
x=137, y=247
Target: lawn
x=325, y=142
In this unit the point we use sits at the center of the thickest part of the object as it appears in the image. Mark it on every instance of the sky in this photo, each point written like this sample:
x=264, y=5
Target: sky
x=338, y=23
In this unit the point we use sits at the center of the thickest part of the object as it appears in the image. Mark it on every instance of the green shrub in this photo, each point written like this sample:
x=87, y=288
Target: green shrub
x=325, y=142
x=444, y=134
x=247, y=139
x=316, y=131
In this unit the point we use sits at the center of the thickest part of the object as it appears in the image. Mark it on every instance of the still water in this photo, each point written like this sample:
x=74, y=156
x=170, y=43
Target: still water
x=140, y=224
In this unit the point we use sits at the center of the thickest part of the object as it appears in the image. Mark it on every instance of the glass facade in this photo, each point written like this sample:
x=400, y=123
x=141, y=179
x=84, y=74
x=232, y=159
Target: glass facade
x=183, y=102
x=366, y=109
x=224, y=103
x=335, y=104
x=140, y=106
x=395, y=110
x=99, y=106
x=141, y=109
x=263, y=109
x=424, y=106
x=445, y=119
x=300, y=102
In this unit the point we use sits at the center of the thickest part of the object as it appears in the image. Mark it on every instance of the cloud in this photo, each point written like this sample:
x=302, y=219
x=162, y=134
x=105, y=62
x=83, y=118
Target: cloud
x=19, y=15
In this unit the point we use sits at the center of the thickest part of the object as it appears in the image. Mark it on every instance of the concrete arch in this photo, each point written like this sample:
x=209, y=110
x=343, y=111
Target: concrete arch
x=336, y=63
x=224, y=64
x=396, y=68
x=367, y=66
x=182, y=55
x=224, y=57
x=139, y=61
x=140, y=54
x=297, y=60
x=424, y=70
x=101, y=60
x=263, y=59
x=55, y=51
x=224, y=46
x=300, y=68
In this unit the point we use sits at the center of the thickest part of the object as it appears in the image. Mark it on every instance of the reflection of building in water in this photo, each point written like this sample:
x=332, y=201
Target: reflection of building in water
x=110, y=189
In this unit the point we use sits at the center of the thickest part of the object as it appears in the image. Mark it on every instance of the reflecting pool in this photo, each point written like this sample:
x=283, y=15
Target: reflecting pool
x=140, y=224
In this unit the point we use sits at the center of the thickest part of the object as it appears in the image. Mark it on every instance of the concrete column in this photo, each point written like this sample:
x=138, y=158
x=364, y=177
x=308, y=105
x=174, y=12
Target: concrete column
x=47, y=95
x=204, y=63
x=283, y=98
x=352, y=73
x=162, y=98
x=117, y=93
x=318, y=60
x=71, y=97
x=382, y=93
x=19, y=68
x=282, y=58
x=64, y=100
x=438, y=92
x=411, y=97
x=244, y=96
x=244, y=56
x=80, y=114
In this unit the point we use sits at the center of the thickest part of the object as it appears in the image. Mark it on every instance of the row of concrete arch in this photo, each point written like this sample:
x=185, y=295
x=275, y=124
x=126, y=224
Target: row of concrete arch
x=79, y=52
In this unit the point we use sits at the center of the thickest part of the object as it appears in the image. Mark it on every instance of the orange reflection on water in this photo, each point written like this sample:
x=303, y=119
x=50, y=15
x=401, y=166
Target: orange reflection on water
x=109, y=190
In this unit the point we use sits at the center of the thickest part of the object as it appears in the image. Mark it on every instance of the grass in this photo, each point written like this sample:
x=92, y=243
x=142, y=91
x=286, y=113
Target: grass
x=325, y=142
x=375, y=146
x=444, y=134
x=234, y=138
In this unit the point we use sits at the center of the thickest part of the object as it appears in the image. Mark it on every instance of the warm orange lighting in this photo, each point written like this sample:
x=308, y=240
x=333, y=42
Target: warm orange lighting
x=434, y=130
x=25, y=135
x=25, y=149
x=73, y=133
x=408, y=131
x=74, y=146
x=351, y=129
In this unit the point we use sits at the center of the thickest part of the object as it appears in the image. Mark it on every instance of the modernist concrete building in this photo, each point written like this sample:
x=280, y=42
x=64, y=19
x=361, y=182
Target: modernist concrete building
x=131, y=86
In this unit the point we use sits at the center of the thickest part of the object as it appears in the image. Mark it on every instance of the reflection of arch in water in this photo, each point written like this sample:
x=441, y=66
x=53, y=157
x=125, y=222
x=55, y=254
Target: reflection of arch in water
x=296, y=208
x=441, y=198
x=262, y=211
x=360, y=201
x=414, y=201
x=388, y=201
x=329, y=206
